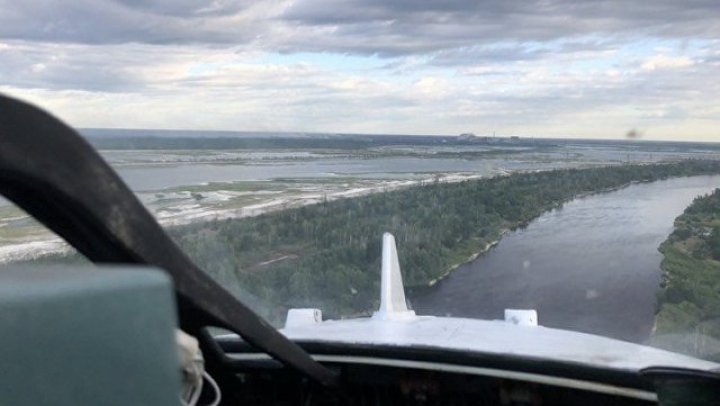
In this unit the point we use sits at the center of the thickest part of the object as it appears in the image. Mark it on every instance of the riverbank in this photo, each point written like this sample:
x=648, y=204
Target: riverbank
x=488, y=246
x=688, y=317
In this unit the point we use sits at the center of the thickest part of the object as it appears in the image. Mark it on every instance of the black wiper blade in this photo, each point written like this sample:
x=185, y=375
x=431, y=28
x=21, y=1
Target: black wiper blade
x=51, y=172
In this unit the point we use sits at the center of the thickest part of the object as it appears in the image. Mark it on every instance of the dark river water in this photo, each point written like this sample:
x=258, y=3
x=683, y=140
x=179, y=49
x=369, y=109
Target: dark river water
x=591, y=266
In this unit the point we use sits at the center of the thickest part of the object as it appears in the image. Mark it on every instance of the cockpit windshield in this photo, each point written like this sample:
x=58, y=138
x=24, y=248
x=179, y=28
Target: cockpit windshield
x=546, y=155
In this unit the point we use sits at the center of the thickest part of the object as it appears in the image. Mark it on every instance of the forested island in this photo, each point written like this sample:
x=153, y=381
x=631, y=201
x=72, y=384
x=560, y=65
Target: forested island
x=688, y=319
x=328, y=255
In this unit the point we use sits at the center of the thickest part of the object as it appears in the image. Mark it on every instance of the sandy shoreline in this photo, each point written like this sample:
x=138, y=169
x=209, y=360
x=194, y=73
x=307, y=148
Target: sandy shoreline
x=195, y=213
x=471, y=258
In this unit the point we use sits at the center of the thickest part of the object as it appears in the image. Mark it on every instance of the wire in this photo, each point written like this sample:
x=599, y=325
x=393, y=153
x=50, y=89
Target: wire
x=193, y=370
x=216, y=389
x=191, y=398
x=193, y=391
x=196, y=394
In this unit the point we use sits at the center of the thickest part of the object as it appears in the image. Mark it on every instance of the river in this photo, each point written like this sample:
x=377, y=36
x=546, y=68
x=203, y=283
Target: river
x=590, y=266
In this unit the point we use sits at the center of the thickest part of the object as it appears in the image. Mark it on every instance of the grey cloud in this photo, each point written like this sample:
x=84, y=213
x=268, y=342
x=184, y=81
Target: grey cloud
x=514, y=52
x=110, y=22
x=47, y=68
x=407, y=27
x=385, y=28
x=661, y=96
x=187, y=8
x=548, y=17
x=359, y=11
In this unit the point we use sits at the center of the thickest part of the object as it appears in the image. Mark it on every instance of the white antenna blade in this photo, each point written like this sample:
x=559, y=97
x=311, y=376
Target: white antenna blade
x=392, y=292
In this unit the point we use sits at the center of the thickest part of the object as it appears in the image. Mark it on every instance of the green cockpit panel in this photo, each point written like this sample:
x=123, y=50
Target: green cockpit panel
x=87, y=336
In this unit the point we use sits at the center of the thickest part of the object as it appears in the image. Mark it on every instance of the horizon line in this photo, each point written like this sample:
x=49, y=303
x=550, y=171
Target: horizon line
x=502, y=136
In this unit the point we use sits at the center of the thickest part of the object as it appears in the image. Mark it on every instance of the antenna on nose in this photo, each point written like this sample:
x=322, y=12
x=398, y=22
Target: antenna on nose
x=392, y=291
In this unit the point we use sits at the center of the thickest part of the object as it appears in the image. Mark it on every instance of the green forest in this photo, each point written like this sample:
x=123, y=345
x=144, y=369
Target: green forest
x=328, y=255
x=689, y=304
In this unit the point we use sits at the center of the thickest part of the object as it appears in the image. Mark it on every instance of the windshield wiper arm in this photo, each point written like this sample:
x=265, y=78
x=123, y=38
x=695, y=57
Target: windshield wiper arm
x=55, y=175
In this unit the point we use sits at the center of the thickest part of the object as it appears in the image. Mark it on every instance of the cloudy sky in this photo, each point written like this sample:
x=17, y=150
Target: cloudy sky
x=533, y=68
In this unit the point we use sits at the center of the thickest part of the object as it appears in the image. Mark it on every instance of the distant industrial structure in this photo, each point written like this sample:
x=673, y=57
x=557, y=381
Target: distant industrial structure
x=471, y=137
